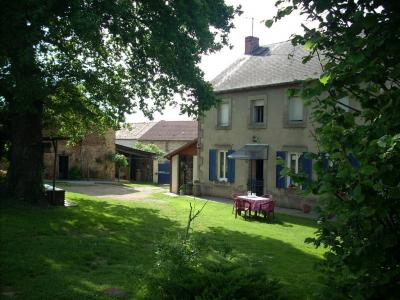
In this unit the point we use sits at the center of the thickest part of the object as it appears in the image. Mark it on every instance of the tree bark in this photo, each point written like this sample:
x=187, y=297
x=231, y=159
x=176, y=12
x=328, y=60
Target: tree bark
x=26, y=111
x=26, y=159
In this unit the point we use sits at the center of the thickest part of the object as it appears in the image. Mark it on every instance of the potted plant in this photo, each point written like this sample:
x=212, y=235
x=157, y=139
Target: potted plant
x=306, y=207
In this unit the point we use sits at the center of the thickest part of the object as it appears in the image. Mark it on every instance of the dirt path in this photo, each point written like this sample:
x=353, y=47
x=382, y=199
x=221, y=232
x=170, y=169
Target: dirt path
x=113, y=191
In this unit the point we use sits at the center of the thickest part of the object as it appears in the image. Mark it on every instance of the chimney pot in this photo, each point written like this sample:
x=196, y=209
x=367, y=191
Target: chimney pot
x=250, y=44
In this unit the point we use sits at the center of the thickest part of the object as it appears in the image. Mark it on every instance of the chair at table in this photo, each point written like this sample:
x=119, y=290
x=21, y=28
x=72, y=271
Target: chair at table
x=268, y=208
x=234, y=197
x=242, y=205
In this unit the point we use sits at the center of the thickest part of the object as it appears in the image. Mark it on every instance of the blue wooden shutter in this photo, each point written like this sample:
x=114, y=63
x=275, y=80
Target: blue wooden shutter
x=354, y=162
x=212, y=176
x=231, y=168
x=307, y=168
x=325, y=161
x=280, y=179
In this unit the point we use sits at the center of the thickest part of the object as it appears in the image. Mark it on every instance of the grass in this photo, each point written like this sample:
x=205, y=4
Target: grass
x=80, y=252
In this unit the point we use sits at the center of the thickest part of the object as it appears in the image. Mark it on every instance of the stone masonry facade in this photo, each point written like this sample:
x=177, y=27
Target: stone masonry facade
x=89, y=158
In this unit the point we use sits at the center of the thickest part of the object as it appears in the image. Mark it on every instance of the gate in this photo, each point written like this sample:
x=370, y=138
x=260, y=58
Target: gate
x=164, y=172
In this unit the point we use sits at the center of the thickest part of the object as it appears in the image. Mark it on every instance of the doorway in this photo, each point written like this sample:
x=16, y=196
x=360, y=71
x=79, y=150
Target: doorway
x=256, y=180
x=63, y=167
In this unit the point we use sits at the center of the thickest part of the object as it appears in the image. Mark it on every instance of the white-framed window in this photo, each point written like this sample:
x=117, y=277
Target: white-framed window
x=224, y=114
x=295, y=109
x=222, y=165
x=345, y=101
x=258, y=111
x=294, y=163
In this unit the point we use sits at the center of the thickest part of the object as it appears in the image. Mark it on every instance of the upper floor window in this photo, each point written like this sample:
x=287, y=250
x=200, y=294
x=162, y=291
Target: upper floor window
x=296, y=109
x=222, y=166
x=258, y=112
x=224, y=114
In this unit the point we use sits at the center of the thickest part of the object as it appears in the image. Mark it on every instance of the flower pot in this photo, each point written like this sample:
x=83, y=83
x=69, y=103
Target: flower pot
x=306, y=208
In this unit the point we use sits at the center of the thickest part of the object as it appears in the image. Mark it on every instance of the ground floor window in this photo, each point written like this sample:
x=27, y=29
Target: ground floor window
x=222, y=165
x=295, y=164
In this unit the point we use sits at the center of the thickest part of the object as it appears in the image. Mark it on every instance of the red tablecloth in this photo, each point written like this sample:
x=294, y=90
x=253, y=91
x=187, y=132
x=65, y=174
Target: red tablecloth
x=255, y=201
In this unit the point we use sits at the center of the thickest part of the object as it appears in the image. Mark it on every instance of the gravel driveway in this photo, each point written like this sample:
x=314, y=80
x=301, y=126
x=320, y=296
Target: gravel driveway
x=113, y=191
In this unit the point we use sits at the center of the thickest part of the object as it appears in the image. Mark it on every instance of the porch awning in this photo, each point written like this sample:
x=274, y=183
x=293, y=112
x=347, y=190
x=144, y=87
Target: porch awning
x=251, y=151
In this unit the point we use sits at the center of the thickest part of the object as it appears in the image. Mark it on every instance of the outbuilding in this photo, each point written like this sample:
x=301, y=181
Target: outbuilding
x=183, y=167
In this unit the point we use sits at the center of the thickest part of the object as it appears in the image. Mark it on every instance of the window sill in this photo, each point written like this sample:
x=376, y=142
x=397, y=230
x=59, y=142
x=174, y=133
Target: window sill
x=257, y=125
x=220, y=182
x=301, y=124
x=220, y=127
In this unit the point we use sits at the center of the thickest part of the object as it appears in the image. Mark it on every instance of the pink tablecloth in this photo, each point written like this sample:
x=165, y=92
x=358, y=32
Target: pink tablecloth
x=255, y=201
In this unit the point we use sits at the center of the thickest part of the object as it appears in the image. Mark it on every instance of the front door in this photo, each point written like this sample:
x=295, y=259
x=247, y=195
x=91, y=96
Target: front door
x=63, y=167
x=256, y=180
x=163, y=172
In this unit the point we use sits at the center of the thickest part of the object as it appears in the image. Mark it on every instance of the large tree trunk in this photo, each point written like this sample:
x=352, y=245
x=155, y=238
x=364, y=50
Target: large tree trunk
x=26, y=111
x=26, y=159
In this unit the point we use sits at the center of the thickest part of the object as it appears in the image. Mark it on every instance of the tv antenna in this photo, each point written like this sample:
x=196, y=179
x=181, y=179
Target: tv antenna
x=252, y=24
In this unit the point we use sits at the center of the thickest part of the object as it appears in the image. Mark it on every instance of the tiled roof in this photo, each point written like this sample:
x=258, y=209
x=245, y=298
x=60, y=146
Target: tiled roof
x=125, y=142
x=276, y=64
x=133, y=131
x=171, y=131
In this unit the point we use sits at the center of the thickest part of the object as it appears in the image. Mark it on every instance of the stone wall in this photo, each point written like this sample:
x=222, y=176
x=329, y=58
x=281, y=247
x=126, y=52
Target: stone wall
x=89, y=158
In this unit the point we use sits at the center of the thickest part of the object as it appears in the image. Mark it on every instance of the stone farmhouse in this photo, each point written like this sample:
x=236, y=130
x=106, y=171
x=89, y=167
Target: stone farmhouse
x=90, y=158
x=240, y=141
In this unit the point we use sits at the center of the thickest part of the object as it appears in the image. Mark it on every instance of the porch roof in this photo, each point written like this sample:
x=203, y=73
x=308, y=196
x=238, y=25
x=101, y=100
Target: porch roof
x=131, y=152
x=182, y=149
x=251, y=151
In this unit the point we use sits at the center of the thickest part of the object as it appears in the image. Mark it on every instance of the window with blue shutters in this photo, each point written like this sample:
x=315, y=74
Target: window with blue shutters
x=297, y=162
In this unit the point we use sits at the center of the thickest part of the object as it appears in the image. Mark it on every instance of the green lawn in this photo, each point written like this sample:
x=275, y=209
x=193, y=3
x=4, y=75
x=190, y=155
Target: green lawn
x=79, y=252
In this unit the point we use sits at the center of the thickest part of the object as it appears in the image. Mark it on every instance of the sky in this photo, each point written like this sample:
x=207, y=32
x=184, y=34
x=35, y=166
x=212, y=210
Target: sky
x=215, y=63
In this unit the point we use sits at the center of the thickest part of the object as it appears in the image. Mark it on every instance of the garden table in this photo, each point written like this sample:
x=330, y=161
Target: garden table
x=256, y=201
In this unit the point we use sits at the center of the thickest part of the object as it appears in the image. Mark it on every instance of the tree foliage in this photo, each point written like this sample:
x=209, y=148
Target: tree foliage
x=358, y=166
x=153, y=148
x=79, y=66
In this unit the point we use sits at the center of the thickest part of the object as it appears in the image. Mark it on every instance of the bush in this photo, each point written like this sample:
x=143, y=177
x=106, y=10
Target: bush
x=74, y=173
x=180, y=273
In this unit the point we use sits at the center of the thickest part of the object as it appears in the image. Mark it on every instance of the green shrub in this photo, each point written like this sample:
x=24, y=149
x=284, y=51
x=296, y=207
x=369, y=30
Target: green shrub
x=182, y=272
x=75, y=173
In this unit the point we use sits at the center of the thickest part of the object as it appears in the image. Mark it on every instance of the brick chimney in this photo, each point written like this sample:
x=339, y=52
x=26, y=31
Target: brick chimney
x=250, y=43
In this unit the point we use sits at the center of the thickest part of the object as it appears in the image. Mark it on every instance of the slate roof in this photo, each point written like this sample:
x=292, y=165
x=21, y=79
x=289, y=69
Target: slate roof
x=125, y=142
x=268, y=65
x=171, y=131
x=134, y=131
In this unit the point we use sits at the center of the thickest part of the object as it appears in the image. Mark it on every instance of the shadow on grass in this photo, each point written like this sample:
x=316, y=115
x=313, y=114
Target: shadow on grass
x=78, y=253
x=280, y=260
